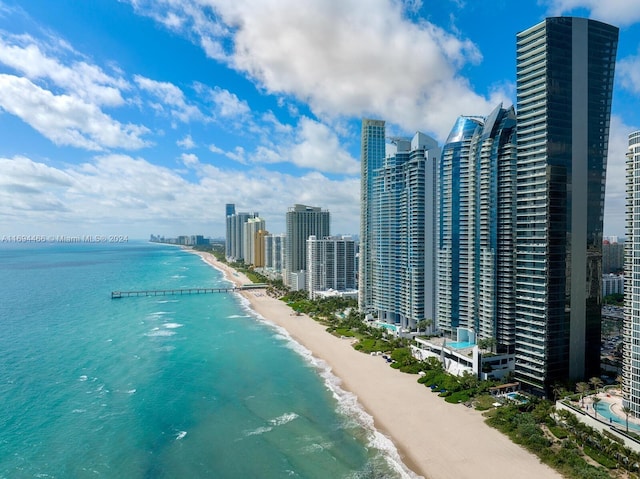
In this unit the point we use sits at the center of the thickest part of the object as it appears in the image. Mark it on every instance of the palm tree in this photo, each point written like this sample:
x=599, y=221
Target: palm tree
x=627, y=410
x=557, y=391
x=582, y=388
x=596, y=382
x=595, y=401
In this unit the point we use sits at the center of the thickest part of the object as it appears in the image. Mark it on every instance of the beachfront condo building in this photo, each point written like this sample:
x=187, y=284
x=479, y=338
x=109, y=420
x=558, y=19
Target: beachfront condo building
x=250, y=237
x=631, y=324
x=372, y=154
x=274, y=252
x=476, y=233
x=235, y=235
x=230, y=210
x=565, y=69
x=401, y=233
x=331, y=266
x=301, y=222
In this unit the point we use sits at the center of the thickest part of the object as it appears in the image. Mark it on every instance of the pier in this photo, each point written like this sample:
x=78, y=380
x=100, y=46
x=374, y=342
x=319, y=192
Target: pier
x=182, y=292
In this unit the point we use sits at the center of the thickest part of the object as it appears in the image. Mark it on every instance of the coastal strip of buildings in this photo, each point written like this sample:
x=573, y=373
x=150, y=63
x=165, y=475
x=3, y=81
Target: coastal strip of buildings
x=488, y=249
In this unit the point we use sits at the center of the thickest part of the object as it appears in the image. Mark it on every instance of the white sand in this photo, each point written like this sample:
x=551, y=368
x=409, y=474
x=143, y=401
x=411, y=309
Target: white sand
x=434, y=438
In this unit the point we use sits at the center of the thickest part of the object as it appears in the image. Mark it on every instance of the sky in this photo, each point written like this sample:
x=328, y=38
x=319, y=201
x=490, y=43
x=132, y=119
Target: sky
x=138, y=117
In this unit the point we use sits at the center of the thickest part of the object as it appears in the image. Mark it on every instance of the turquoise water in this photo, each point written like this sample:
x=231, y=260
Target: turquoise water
x=161, y=387
x=460, y=344
x=604, y=412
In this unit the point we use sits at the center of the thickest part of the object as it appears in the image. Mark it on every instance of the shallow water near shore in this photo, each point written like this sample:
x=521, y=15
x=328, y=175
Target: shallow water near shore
x=161, y=387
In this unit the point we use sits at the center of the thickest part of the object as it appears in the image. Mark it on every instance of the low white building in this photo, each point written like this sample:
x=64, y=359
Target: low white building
x=463, y=356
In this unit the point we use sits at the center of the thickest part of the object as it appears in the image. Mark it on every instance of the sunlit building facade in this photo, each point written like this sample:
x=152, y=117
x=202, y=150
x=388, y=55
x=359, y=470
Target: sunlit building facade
x=476, y=237
x=372, y=154
x=631, y=328
x=402, y=233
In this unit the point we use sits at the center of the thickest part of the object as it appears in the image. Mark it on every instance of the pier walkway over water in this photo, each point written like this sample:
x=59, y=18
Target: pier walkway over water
x=185, y=291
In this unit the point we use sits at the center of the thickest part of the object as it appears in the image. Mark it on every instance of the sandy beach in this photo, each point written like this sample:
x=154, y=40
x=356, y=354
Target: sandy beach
x=435, y=439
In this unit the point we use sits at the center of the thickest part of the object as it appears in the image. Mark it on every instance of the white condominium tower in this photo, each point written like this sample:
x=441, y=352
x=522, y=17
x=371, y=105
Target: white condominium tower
x=565, y=70
x=235, y=233
x=251, y=228
x=331, y=264
x=631, y=329
x=397, y=271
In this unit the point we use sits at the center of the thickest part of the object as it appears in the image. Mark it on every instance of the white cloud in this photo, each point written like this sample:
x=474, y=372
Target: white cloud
x=228, y=105
x=214, y=149
x=628, y=71
x=118, y=194
x=80, y=78
x=342, y=59
x=187, y=143
x=189, y=159
x=311, y=145
x=318, y=148
x=616, y=12
x=172, y=97
x=65, y=119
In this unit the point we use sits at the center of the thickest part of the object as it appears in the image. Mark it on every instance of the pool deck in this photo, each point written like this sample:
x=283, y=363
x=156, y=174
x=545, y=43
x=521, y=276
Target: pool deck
x=612, y=396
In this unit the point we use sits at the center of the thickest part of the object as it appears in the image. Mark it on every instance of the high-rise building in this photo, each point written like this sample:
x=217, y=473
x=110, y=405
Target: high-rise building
x=565, y=70
x=251, y=228
x=612, y=257
x=235, y=247
x=331, y=264
x=301, y=222
x=455, y=187
x=401, y=233
x=476, y=239
x=274, y=252
x=372, y=154
x=631, y=324
x=230, y=210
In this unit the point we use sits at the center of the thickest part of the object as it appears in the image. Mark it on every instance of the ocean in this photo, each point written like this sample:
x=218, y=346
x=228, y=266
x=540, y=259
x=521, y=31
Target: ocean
x=161, y=387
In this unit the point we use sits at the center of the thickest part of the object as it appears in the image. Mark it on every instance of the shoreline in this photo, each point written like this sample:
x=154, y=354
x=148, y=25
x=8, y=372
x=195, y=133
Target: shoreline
x=434, y=439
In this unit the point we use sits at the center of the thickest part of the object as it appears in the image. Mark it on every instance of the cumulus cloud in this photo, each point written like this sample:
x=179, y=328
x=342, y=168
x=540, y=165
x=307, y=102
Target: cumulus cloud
x=135, y=197
x=24, y=54
x=311, y=145
x=66, y=119
x=172, y=98
x=628, y=71
x=187, y=143
x=340, y=58
x=189, y=159
x=617, y=12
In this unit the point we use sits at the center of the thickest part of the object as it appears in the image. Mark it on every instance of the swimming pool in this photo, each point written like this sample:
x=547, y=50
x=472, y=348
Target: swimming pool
x=517, y=397
x=605, y=412
x=460, y=344
x=389, y=326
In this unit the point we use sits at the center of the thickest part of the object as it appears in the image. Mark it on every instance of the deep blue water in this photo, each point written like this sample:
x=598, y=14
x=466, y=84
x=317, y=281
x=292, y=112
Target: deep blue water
x=161, y=387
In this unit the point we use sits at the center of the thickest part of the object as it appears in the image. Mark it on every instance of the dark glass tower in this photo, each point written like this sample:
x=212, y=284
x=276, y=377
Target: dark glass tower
x=565, y=70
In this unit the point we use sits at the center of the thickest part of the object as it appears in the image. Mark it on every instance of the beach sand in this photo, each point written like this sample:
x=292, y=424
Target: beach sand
x=435, y=439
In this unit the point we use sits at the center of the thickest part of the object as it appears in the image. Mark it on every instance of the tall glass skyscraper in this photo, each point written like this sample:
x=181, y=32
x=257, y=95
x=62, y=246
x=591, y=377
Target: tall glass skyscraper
x=372, y=153
x=402, y=233
x=565, y=70
x=476, y=237
x=631, y=329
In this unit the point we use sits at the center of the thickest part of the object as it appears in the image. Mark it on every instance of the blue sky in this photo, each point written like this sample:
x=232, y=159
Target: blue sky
x=135, y=117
